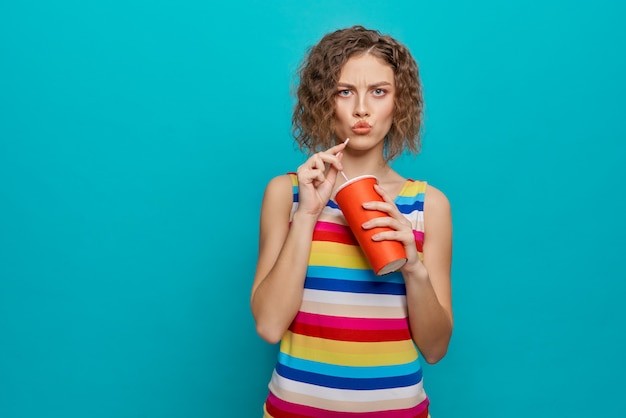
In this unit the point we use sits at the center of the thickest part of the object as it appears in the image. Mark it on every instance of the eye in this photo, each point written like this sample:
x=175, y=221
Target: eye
x=344, y=93
x=379, y=92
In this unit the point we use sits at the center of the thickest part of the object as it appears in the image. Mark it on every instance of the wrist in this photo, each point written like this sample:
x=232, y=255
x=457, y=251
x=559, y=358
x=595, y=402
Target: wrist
x=303, y=218
x=415, y=271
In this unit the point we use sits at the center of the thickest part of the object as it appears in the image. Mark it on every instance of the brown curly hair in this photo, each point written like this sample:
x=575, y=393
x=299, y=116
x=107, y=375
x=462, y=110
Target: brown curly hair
x=314, y=113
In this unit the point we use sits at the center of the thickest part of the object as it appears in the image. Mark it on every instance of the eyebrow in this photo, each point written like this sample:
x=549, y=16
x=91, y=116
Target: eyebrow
x=371, y=86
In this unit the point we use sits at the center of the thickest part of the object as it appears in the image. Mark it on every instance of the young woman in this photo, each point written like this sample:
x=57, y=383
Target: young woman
x=350, y=340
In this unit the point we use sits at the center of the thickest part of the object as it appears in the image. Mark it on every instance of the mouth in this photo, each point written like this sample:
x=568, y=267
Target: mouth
x=361, y=128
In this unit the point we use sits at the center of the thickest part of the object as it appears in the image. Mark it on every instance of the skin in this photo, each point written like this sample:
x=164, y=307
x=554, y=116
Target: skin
x=365, y=92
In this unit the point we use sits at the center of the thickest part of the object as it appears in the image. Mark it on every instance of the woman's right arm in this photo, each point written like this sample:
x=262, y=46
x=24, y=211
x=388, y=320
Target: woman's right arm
x=284, y=249
x=282, y=261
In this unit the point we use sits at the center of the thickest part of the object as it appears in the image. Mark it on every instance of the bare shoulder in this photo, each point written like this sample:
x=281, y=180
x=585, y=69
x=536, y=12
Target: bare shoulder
x=276, y=205
x=437, y=212
x=435, y=200
x=278, y=197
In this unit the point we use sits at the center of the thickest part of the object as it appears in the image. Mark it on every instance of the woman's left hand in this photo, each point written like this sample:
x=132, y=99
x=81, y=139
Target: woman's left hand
x=401, y=228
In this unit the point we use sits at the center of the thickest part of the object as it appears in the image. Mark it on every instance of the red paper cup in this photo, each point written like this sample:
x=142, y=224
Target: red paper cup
x=384, y=256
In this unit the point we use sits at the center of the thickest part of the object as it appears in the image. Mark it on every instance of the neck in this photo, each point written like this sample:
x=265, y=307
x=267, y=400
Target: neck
x=354, y=166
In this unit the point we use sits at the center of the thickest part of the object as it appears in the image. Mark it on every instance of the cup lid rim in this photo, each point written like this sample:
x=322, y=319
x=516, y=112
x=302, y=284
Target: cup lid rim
x=354, y=179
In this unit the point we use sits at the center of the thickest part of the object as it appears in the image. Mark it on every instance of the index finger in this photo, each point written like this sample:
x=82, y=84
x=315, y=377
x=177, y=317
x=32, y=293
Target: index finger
x=383, y=193
x=337, y=148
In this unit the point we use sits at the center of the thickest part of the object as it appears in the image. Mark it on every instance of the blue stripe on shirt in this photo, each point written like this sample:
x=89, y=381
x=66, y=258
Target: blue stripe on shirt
x=327, y=272
x=357, y=372
x=347, y=382
x=351, y=286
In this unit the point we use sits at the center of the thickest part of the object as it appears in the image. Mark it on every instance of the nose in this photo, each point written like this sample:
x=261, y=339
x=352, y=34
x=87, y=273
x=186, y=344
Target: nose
x=361, y=108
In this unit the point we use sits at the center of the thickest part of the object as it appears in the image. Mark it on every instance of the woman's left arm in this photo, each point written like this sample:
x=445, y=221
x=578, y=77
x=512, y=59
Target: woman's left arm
x=428, y=288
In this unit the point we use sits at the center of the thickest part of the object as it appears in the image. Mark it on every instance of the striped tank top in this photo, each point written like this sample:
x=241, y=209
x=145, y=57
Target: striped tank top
x=349, y=352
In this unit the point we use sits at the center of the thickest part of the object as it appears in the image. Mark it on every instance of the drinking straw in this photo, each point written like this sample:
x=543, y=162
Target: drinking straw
x=342, y=173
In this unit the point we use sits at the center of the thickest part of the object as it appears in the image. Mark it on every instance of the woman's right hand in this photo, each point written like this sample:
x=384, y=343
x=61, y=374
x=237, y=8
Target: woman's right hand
x=316, y=179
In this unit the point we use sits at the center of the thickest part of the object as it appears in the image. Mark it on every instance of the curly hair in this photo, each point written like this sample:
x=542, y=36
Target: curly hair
x=313, y=120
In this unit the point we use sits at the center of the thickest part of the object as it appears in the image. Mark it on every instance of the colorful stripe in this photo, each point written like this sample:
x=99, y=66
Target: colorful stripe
x=355, y=287
x=370, y=324
x=338, y=382
x=350, y=329
x=348, y=371
x=353, y=311
x=278, y=408
x=349, y=351
x=326, y=395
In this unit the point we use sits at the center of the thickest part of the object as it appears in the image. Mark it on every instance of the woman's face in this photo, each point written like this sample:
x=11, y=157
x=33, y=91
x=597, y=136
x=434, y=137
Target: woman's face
x=364, y=102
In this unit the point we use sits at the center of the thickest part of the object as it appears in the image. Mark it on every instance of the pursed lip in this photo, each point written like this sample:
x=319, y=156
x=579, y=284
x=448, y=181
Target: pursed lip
x=361, y=127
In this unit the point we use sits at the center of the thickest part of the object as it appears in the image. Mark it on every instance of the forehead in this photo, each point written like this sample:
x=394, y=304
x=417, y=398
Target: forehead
x=368, y=68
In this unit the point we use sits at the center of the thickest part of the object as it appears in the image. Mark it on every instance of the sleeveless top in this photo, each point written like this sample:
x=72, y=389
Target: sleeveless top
x=349, y=352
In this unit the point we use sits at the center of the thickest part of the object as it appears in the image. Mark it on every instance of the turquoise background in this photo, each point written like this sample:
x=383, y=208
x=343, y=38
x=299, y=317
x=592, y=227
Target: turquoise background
x=136, y=138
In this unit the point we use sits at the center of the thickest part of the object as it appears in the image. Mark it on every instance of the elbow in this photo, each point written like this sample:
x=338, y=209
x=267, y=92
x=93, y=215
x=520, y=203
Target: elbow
x=436, y=348
x=434, y=352
x=271, y=335
x=268, y=328
x=434, y=356
x=265, y=328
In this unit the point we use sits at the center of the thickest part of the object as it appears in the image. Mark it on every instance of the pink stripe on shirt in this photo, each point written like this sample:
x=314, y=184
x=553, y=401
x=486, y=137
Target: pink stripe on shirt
x=351, y=323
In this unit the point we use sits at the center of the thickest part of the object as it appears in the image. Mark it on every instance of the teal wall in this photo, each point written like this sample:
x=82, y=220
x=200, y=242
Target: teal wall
x=136, y=138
